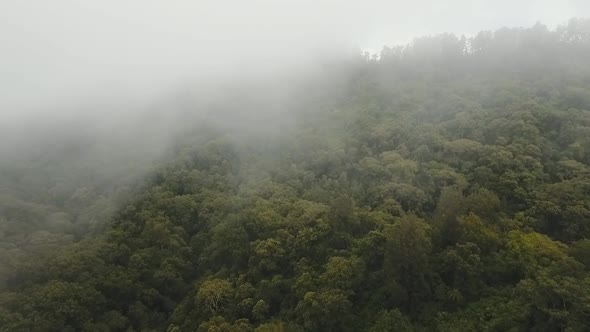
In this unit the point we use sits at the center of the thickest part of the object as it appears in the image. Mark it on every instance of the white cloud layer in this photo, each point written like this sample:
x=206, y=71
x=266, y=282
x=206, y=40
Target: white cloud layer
x=60, y=51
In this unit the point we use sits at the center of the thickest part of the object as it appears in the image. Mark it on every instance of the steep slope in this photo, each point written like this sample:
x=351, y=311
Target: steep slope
x=445, y=187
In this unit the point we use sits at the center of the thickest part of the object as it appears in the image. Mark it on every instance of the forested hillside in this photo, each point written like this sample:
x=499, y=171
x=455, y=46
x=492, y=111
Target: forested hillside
x=440, y=186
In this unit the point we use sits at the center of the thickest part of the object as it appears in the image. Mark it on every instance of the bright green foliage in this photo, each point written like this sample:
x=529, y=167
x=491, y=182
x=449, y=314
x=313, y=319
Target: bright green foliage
x=214, y=294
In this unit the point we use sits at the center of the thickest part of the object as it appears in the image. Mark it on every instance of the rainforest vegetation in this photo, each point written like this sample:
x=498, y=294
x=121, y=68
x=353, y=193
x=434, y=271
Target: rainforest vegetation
x=442, y=185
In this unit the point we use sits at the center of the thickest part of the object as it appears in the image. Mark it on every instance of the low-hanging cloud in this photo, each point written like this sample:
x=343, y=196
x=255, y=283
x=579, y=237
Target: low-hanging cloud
x=59, y=55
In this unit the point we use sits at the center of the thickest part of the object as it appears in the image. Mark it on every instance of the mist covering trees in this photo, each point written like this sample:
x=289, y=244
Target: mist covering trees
x=443, y=186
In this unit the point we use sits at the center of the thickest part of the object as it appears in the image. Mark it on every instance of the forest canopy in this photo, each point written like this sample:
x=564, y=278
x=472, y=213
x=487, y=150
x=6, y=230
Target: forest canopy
x=443, y=185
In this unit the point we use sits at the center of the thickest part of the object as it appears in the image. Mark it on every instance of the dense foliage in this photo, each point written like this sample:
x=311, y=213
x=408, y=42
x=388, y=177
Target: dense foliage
x=445, y=187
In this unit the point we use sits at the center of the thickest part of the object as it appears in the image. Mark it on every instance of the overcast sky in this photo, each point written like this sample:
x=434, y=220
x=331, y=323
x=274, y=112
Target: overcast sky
x=60, y=50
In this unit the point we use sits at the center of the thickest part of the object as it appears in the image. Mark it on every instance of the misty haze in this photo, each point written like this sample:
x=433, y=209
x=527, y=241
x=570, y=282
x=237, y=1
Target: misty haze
x=221, y=166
